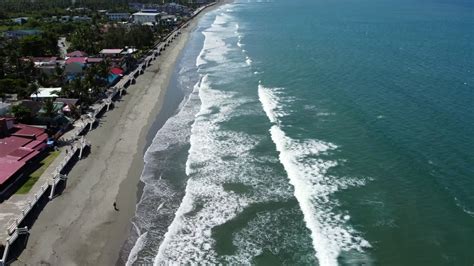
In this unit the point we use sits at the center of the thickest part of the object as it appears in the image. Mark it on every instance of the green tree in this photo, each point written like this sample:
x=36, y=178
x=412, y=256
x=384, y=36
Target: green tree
x=85, y=39
x=140, y=37
x=114, y=38
x=21, y=113
x=77, y=88
x=18, y=86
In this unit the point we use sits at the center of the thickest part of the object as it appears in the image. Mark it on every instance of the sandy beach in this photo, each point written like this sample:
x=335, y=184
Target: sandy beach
x=81, y=227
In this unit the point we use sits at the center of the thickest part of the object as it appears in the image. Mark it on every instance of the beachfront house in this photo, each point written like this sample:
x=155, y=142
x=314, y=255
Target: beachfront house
x=115, y=74
x=20, y=146
x=116, y=57
x=45, y=93
x=74, y=67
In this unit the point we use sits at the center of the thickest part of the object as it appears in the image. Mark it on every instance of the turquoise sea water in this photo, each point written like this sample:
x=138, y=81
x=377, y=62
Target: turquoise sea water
x=317, y=132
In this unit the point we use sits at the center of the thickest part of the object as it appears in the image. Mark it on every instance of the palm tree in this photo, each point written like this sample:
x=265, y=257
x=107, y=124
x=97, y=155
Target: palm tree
x=49, y=108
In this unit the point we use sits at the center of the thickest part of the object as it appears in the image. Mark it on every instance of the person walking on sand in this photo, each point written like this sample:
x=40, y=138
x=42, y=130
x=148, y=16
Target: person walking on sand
x=115, y=206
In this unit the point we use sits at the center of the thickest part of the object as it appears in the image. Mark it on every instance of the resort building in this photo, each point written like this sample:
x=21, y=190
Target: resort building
x=145, y=17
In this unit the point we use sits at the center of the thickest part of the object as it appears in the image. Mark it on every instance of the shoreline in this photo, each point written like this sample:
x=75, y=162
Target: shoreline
x=80, y=226
x=155, y=126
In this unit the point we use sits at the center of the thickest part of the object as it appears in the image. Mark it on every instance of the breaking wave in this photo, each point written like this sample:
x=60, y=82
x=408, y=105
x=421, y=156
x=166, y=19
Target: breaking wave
x=313, y=186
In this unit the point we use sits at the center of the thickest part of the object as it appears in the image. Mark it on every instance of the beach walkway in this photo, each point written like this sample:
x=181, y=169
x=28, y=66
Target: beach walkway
x=15, y=209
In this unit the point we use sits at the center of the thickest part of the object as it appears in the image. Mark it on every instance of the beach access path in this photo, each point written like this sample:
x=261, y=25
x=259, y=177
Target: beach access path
x=81, y=226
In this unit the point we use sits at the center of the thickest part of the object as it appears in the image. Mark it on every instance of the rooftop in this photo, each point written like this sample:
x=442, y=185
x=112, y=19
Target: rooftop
x=94, y=60
x=116, y=71
x=111, y=51
x=76, y=54
x=81, y=60
x=67, y=101
x=46, y=93
x=22, y=145
x=146, y=13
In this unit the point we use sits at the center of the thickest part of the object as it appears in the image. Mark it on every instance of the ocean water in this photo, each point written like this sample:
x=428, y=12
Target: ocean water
x=316, y=132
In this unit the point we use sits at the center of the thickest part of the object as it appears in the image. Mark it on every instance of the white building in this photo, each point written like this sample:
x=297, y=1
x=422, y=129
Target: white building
x=45, y=93
x=146, y=17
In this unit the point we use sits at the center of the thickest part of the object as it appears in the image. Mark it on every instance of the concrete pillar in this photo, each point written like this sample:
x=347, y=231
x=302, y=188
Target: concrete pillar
x=81, y=147
x=53, y=186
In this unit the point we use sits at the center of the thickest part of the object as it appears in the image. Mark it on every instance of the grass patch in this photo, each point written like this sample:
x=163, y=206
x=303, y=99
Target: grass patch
x=26, y=187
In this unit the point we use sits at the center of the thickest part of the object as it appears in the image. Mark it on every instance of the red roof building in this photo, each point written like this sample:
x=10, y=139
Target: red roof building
x=76, y=54
x=81, y=60
x=20, y=145
x=116, y=71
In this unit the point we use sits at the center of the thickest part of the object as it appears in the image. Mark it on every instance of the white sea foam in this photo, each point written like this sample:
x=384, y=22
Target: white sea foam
x=266, y=229
x=308, y=174
x=139, y=244
x=313, y=190
x=160, y=206
x=174, y=133
x=215, y=48
x=270, y=103
x=206, y=203
x=324, y=114
x=248, y=61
